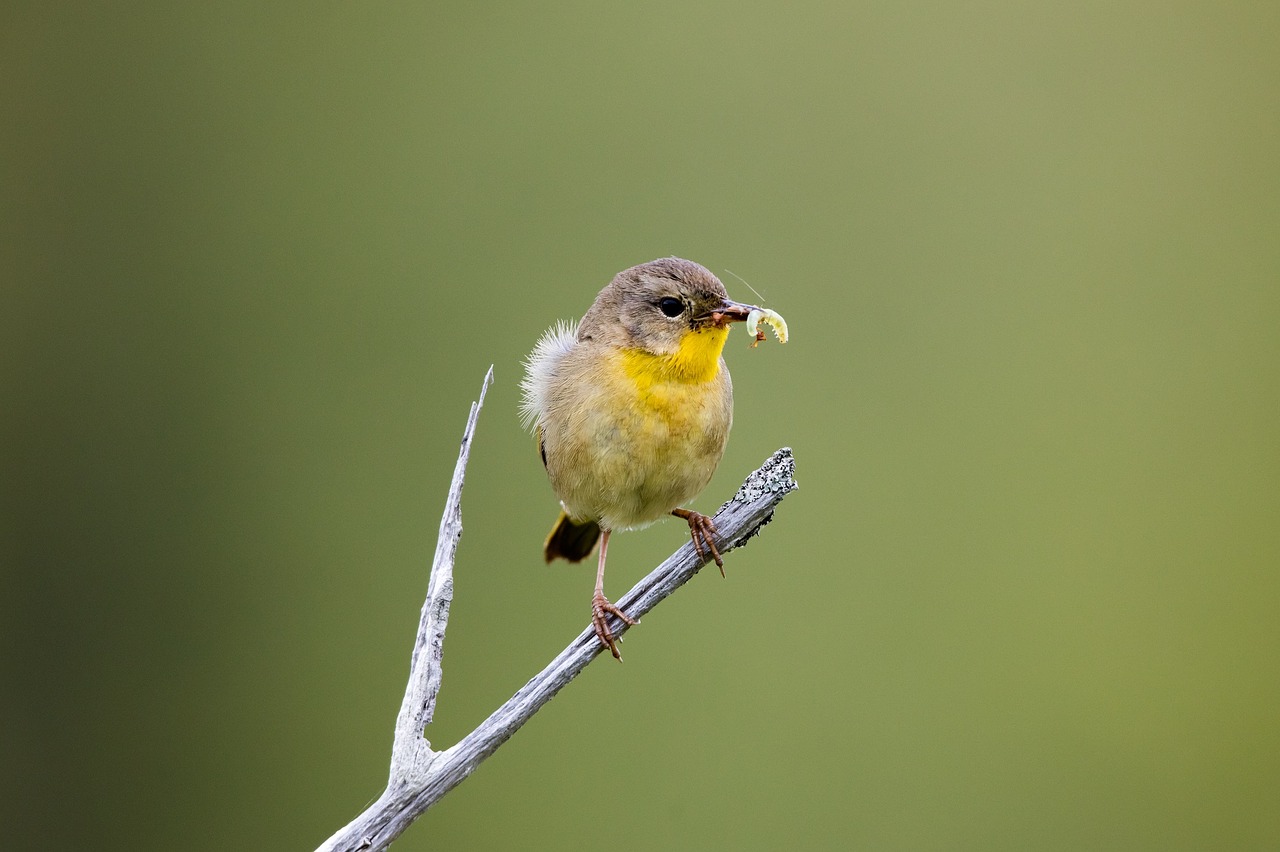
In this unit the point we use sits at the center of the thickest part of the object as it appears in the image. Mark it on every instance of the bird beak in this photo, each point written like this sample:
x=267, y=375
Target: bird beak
x=728, y=312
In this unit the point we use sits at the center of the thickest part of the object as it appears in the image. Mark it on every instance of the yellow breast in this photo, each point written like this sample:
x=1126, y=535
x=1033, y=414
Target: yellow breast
x=646, y=435
x=673, y=386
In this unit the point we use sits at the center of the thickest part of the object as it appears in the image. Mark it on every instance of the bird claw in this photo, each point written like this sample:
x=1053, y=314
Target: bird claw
x=601, y=609
x=702, y=530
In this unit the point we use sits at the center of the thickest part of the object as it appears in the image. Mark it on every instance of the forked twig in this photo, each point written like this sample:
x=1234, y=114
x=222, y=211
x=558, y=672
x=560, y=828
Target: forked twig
x=421, y=776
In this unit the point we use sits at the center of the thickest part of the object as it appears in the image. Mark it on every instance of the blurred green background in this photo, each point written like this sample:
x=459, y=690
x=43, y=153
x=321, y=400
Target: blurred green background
x=256, y=259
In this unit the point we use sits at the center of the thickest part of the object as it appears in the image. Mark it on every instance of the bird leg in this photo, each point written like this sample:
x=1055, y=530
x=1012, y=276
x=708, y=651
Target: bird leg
x=702, y=531
x=601, y=609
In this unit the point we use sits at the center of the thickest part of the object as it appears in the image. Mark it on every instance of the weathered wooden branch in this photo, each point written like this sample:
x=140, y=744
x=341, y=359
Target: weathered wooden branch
x=421, y=776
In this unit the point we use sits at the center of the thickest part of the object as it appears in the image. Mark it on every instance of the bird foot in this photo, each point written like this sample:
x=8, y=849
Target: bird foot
x=601, y=609
x=702, y=531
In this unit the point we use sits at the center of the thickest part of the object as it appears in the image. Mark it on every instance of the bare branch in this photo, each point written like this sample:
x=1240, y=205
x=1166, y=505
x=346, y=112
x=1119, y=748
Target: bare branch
x=419, y=776
x=411, y=752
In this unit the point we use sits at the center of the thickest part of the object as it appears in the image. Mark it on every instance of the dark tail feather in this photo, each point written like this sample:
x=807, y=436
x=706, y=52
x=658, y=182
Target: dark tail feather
x=572, y=540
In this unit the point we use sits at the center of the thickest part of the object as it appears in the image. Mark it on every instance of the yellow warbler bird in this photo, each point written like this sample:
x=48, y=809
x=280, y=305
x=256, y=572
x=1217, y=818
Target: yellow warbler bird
x=632, y=407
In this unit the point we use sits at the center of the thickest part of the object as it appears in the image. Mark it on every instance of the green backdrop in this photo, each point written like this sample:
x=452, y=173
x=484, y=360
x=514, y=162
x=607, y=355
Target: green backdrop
x=256, y=259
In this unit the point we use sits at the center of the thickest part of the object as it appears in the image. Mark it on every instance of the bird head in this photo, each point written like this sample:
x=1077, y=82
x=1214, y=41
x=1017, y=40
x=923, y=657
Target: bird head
x=672, y=308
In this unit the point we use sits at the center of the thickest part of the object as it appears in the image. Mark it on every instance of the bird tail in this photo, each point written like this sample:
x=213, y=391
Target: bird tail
x=570, y=539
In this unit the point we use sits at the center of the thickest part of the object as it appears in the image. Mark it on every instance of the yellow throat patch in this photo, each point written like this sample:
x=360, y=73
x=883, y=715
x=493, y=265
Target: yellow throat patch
x=696, y=361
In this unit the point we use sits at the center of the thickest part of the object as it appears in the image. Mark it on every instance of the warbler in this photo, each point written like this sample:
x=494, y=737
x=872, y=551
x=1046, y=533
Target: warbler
x=631, y=408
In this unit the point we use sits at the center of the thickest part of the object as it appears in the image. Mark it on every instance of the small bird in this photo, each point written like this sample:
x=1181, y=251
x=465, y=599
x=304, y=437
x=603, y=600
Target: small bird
x=631, y=408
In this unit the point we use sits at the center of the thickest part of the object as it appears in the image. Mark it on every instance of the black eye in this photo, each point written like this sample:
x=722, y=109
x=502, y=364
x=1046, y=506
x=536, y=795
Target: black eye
x=671, y=306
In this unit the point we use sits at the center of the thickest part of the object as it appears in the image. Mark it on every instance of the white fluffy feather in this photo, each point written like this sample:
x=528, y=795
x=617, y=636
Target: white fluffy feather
x=540, y=366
